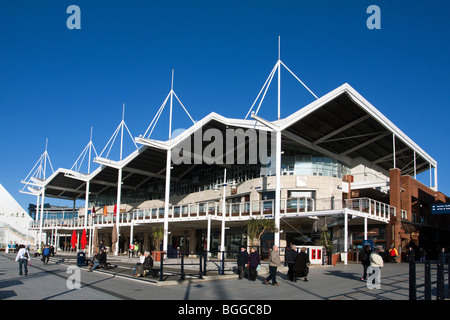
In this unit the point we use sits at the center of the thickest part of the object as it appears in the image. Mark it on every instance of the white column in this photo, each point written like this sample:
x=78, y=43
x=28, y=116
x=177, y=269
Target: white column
x=279, y=90
x=56, y=240
x=224, y=209
x=166, y=201
x=208, y=244
x=345, y=235
x=42, y=216
x=431, y=175
x=36, y=218
x=91, y=231
x=119, y=195
x=435, y=179
x=86, y=204
x=6, y=239
x=131, y=232
x=393, y=149
x=365, y=228
x=277, y=189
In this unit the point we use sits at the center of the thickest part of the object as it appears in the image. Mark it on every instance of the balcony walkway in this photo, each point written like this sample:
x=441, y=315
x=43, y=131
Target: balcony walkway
x=290, y=208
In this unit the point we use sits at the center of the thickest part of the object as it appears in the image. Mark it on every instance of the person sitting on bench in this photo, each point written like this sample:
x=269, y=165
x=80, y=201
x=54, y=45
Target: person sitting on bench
x=146, y=266
x=94, y=262
x=102, y=259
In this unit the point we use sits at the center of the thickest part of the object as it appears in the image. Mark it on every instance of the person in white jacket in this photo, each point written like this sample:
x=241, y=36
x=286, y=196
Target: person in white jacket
x=376, y=263
x=24, y=258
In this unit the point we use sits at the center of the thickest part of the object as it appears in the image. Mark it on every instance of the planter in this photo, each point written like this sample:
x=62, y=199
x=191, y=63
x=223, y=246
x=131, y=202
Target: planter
x=157, y=255
x=334, y=259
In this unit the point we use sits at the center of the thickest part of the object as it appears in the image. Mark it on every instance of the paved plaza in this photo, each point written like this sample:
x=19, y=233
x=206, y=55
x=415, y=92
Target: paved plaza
x=52, y=282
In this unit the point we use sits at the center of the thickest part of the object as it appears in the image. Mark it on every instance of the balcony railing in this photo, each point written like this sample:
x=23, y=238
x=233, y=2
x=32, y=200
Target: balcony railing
x=233, y=211
x=374, y=208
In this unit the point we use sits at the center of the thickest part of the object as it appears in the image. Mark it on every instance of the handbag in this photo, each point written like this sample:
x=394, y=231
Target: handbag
x=258, y=268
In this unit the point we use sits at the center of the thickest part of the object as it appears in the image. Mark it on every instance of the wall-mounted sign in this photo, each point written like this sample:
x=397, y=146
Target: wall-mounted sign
x=441, y=208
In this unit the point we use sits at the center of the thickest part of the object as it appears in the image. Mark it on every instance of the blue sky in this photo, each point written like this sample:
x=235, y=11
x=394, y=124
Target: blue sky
x=57, y=83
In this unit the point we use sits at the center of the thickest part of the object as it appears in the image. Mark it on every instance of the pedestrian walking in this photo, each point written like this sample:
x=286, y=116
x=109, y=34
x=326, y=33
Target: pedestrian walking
x=274, y=262
x=254, y=261
x=24, y=259
x=136, y=249
x=410, y=254
x=131, y=250
x=423, y=254
x=242, y=260
x=301, y=265
x=365, y=261
x=46, y=254
x=290, y=256
x=393, y=253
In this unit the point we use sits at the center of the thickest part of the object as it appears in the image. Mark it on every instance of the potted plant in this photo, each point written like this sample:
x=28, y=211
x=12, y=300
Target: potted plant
x=157, y=236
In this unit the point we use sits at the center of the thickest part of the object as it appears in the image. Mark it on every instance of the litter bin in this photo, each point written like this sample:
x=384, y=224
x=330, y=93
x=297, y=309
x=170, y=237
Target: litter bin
x=81, y=259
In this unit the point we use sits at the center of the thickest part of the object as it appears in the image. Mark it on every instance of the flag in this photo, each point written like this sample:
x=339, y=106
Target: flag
x=105, y=211
x=115, y=208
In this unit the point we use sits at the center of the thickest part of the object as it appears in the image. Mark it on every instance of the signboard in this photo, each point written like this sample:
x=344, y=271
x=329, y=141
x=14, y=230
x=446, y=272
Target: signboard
x=368, y=243
x=442, y=208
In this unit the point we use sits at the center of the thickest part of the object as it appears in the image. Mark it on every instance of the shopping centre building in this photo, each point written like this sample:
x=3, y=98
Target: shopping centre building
x=336, y=165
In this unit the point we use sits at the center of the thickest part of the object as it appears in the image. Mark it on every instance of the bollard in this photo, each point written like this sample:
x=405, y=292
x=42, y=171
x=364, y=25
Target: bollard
x=161, y=277
x=412, y=280
x=204, y=262
x=182, y=268
x=222, y=264
x=427, y=280
x=200, y=274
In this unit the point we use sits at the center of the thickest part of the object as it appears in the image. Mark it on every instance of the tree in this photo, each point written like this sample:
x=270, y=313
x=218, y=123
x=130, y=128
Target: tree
x=256, y=227
x=325, y=240
x=157, y=236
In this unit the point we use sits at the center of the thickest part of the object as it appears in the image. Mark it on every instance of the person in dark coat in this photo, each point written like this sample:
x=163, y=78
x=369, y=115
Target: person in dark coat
x=102, y=258
x=410, y=254
x=242, y=260
x=291, y=254
x=146, y=266
x=365, y=261
x=301, y=265
x=253, y=261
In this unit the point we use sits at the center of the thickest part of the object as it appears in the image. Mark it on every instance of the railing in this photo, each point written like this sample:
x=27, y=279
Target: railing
x=201, y=210
x=201, y=267
x=17, y=232
x=375, y=208
x=427, y=282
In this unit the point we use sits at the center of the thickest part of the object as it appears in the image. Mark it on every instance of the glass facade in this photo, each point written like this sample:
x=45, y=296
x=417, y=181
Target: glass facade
x=294, y=161
x=305, y=162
